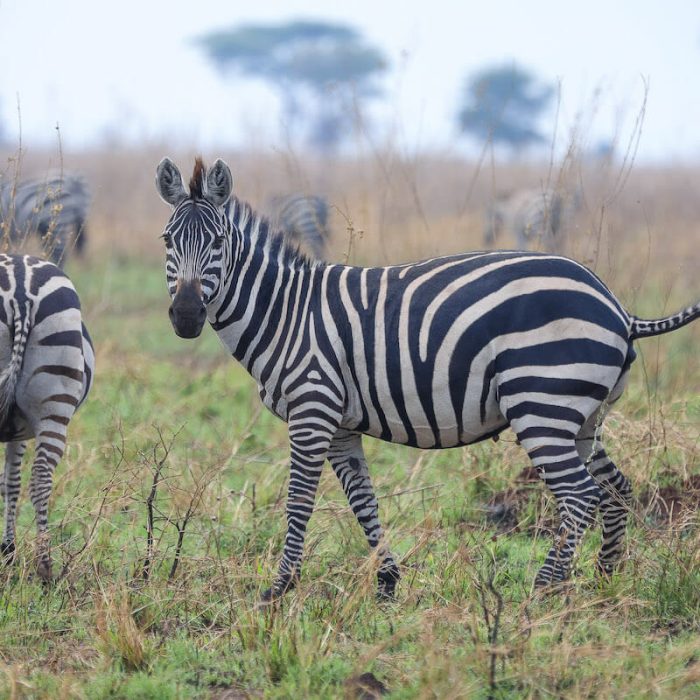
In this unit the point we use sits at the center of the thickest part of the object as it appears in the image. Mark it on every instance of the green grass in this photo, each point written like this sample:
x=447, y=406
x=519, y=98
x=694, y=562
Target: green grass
x=464, y=624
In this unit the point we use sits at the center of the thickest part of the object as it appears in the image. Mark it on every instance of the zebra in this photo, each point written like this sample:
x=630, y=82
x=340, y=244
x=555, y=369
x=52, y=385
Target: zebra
x=54, y=208
x=538, y=218
x=435, y=354
x=304, y=219
x=48, y=366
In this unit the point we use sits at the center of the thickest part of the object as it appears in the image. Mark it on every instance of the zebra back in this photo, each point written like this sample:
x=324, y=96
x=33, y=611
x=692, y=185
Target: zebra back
x=53, y=208
x=303, y=219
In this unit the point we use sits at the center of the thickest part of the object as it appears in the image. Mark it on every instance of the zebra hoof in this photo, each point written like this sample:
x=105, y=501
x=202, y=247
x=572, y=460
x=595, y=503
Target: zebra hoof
x=7, y=552
x=387, y=580
x=604, y=570
x=44, y=571
x=276, y=591
x=548, y=580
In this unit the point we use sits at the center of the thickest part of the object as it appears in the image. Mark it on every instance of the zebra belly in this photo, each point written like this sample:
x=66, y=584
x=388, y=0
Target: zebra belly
x=405, y=421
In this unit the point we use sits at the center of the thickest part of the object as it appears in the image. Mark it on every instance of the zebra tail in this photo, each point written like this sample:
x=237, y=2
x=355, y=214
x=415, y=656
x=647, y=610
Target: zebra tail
x=641, y=328
x=10, y=375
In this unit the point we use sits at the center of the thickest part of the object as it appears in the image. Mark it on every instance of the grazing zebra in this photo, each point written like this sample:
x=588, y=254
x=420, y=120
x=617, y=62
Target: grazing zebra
x=435, y=354
x=304, y=219
x=54, y=208
x=48, y=364
x=536, y=218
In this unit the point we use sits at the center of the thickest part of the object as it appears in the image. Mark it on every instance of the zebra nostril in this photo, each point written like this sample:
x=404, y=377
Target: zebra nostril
x=171, y=313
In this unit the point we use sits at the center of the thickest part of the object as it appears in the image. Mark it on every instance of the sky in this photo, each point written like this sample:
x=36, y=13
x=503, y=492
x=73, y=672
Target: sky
x=129, y=71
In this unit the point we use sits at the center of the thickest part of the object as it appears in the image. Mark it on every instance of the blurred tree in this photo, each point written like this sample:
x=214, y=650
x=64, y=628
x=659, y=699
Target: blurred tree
x=503, y=104
x=323, y=72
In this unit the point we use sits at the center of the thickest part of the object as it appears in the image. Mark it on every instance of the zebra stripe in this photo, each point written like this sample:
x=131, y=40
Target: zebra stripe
x=53, y=208
x=49, y=365
x=435, y=354
x=304, y=220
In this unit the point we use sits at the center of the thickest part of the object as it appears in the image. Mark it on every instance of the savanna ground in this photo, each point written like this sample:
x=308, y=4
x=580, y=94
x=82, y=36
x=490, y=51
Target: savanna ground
x=167, y=516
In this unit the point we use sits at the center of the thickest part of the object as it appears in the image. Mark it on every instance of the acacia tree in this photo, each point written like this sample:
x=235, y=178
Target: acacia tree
x=503, y=104
x=321, y=71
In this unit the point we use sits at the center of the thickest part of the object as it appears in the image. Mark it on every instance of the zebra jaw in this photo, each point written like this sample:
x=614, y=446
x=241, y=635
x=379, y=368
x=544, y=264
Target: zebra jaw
x=187, y=312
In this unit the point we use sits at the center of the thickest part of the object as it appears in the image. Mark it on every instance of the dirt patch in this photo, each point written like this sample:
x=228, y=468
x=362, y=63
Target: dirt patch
x=672, y=505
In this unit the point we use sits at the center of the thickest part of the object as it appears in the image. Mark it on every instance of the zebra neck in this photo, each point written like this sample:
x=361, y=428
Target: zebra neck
x=264, y=293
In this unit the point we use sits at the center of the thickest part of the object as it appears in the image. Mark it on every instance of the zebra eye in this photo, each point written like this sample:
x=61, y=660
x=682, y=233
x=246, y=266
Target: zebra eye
x=166, y=237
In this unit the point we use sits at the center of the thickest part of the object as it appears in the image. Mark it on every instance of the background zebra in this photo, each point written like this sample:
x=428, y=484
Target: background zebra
x=53, y=208
x=304, y=218
x=435, y=354
x=48, y=363
x=538, y=219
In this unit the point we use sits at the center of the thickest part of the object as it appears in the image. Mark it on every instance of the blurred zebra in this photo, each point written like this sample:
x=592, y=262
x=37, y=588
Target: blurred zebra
x=53, y=208
x=435, y=354
x=536, y=218
x=48, y=364
x=304, y=220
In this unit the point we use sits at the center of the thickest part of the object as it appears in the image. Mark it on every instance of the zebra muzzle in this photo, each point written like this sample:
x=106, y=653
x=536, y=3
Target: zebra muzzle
x=187, y=312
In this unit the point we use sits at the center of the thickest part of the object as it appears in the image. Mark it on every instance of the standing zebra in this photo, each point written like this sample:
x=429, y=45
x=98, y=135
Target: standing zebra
x=304, y=219
x=48, y=363
x=53, y=208
x=434, y=354
x=537, y=218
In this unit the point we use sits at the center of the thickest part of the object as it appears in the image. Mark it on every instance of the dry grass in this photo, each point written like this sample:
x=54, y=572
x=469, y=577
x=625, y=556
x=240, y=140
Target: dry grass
x=184, y=418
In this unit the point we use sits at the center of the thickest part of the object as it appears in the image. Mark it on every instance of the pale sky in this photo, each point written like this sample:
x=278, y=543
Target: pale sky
x=129, y=68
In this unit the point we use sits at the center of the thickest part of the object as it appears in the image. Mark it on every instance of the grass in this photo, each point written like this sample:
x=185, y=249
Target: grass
x=173, y=442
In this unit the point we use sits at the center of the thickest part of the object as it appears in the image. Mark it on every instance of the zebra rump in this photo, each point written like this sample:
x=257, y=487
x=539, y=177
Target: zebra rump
x=303, y=219
x=49, y=363
x=434, y=354
x=53, y=208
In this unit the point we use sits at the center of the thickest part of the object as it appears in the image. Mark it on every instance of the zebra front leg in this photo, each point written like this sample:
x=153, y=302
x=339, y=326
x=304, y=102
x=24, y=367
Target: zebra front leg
x=348, y=461
x=50, y=445
x=309, y=439
x=14, y=451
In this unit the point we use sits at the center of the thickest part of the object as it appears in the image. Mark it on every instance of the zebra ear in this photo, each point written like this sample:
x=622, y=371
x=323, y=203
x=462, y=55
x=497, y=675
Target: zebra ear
x=219, y=183
x=169, y=183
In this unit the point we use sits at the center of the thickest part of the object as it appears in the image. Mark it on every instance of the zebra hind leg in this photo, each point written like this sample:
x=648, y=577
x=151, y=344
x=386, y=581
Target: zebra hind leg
x=14, y=452
x=50, y=445
x=553, y=452
x=348, y=461
x=616, y=495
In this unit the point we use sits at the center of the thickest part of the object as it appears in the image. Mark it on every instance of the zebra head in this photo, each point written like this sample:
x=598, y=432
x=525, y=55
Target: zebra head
x=197, y=238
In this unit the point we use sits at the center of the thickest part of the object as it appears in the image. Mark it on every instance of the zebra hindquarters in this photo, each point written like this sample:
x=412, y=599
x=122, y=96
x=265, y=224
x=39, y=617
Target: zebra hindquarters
x=51, y=388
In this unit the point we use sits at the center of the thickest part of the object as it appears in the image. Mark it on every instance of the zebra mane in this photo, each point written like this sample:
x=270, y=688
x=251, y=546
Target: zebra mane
x=259, y=230
x=197, y=179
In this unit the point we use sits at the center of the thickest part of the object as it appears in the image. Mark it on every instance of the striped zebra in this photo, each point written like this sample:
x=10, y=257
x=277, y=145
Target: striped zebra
x=436, y=354
x=537, y=218
x=48, y=365
x=304, y=219
x=54, y=208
